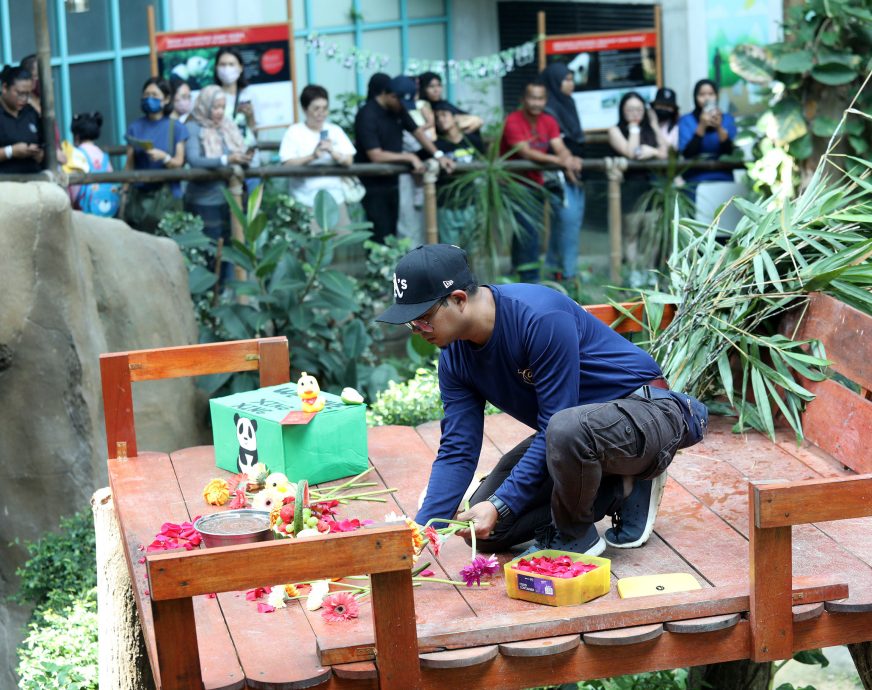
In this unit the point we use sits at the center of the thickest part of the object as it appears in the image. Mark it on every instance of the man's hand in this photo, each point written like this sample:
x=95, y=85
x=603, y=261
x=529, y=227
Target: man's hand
x=484, y=515
x=417, y=165
x=447, y=164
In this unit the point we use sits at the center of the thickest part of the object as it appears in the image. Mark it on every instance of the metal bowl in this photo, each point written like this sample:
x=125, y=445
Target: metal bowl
x=243, y=526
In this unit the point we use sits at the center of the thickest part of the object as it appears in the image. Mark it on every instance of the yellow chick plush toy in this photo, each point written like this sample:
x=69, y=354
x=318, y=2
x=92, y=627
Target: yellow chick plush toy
x=310, y=393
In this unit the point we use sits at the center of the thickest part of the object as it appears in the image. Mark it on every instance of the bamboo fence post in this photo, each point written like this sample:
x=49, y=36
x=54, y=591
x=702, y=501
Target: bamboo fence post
x=615, y=174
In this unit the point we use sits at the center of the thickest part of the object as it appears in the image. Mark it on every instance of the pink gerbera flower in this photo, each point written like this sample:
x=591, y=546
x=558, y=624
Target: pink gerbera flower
x=480, y=567
x=341, y=606
x=434, y=538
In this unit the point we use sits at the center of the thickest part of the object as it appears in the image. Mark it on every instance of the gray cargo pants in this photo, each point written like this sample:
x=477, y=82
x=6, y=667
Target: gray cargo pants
x=588, y=448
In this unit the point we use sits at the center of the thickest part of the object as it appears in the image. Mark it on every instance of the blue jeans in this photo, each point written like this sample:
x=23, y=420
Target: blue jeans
x=525, y=244
x=566, y=219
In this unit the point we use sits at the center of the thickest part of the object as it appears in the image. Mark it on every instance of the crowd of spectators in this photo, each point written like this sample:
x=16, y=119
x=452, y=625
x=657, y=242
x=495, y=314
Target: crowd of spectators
x=403, y=120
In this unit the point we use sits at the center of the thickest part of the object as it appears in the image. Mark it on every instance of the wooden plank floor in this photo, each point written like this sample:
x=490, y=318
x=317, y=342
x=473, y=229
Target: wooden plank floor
x=702, y=529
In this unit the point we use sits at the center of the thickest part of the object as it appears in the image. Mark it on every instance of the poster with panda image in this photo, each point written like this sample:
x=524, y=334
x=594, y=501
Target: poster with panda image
x=190, y=55
x=605, y=66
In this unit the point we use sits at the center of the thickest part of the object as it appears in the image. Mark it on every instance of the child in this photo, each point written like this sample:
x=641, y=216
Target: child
x=99, y=199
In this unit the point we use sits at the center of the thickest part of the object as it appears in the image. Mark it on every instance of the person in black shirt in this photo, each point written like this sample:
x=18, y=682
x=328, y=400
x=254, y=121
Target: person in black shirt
x=378, y=130
x=456, y=223
x=21, y=142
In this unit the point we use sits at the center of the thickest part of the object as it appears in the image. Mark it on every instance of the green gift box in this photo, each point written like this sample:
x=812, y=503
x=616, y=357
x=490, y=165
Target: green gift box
x=268, y=426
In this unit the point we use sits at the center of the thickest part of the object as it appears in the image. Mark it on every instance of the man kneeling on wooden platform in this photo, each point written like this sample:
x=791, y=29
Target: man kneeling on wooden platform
x=607, y=424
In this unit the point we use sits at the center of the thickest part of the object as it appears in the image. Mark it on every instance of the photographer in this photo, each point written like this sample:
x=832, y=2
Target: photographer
x=706, y=133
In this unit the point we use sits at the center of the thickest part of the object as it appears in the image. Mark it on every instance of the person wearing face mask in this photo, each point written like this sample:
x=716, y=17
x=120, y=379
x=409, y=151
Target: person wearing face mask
x=666, y=110
x=230, y=76
x=214, y=142
x=706, y=133
x=182, y=101
x=154, y=142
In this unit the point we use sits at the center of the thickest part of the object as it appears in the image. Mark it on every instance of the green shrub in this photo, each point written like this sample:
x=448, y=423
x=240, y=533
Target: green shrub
x=61, y=566
x=60, y=650
x=411, y=402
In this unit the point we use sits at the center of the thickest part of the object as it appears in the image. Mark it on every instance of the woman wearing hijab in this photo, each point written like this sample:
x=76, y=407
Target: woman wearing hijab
x=213, y=141
x=568, y=212
x=706, y=133
x=430, y=90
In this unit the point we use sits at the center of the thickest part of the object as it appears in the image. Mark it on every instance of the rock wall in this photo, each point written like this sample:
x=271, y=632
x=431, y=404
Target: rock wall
x=74, y=286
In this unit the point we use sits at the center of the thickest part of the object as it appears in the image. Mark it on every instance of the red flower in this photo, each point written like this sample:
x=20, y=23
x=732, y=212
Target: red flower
x=257, y=593
x=341, y=606
x=481, y=567
x=238, y=500
x=562, y=566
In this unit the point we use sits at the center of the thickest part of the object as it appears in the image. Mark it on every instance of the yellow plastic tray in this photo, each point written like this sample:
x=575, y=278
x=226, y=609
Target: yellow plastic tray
x=647, y=585
x=556, y=591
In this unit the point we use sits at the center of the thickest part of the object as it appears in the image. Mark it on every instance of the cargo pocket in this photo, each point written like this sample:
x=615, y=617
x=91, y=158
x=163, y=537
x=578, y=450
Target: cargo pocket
x=612, y=433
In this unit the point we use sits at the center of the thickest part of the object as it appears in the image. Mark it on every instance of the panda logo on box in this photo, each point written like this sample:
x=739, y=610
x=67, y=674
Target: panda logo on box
x=245, y=434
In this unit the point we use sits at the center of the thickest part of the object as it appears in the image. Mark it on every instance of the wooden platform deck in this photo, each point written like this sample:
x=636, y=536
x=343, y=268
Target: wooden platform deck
x=702, y=528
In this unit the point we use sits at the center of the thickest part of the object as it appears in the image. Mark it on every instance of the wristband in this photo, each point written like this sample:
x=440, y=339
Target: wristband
x=439, y=154
x=8, y=151
x=503, y=511
x=635, y=129
x=167, y=159
x=224, y=159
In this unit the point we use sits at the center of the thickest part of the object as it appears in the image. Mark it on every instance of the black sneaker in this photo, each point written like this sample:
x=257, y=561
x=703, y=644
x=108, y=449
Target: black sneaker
x=633, y=523
x=590, y=543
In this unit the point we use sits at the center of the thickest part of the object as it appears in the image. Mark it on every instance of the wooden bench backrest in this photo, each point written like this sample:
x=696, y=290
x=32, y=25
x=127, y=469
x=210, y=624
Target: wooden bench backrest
x=839, y=420
x=118, y=370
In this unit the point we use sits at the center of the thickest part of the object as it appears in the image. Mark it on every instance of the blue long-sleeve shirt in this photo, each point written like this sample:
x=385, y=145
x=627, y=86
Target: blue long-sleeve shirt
x=545, y=354
x=710, y=146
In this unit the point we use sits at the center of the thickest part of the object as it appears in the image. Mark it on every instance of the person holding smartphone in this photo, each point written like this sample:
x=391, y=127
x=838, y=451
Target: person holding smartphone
x=21, y=142
x=315, y=141
x=706, y=133
x=214, y=142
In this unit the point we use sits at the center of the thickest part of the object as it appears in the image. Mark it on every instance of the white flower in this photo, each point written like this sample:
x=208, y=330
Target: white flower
x=267, y=499
x=394, y=517
x=320, y=589
x=276, y=597
x=275, y=479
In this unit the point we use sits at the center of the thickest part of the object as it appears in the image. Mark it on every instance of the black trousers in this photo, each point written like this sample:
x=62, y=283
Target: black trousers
x=382, y=208
x=587, y=448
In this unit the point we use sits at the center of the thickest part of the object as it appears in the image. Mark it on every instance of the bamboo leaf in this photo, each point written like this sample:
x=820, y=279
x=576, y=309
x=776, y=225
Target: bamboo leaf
x=761, y=398
x=726, y=373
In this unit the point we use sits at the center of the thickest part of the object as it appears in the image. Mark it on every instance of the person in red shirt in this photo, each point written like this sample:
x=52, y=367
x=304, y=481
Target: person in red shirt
x=535, y=136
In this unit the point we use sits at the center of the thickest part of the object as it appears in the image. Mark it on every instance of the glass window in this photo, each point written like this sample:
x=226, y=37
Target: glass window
x=92, y=92
x=136, y=70
x=427, y=42
x=384, y=42
x=299, y=8
x=21, y=30
x=329, y=14
x=134, y=22
x=88, y=32
x=416, y=9
x=379, y=10
x=331, y=73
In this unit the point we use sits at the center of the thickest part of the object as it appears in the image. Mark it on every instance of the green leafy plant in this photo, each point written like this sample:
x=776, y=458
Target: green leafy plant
x=345, y=109
x=60, y=650
x=812, y=75
x=290, y=289
x=499, y=195
x=723, y=340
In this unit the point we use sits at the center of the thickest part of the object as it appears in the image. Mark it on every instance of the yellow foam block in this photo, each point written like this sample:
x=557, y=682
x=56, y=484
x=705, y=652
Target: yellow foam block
x=646, y=585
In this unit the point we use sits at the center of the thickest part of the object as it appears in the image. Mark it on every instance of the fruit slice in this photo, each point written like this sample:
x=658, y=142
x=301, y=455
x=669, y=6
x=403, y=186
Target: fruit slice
x=351, y=397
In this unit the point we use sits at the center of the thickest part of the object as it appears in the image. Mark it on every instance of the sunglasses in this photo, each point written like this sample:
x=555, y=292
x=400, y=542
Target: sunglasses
x=423, y=325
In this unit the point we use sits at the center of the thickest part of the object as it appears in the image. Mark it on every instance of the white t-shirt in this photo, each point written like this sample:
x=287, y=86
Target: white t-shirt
x=300, y=141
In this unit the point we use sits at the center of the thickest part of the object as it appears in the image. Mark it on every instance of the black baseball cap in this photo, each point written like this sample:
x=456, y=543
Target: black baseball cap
x=405, y=89
x=665, y=96
x=424, y=276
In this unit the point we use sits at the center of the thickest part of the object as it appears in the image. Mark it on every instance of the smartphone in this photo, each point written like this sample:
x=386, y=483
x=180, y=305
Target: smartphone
x=323, y=135
x=710, y=106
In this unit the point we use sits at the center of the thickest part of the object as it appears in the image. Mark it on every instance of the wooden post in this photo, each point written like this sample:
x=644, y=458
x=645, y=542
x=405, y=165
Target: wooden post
x=274, y=363
x=46, y=85
x=121, y=654
x=431, y=222
x=292, y=58
x=771, y=582
x=175, y=636
x=658, y=29
x=236, y=185
x=152, y=40
x=615, y=174
x=861, y=653
x=117, y=403
x=540, y=30
x=396, y=636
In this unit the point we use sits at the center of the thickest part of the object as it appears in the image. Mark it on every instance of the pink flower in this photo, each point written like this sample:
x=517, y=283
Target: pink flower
x=257, y=593
x=427, y=573
x=239, y=500
x=434, y=538
x=480, y=567
x=265, y=608
x=338, y=607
